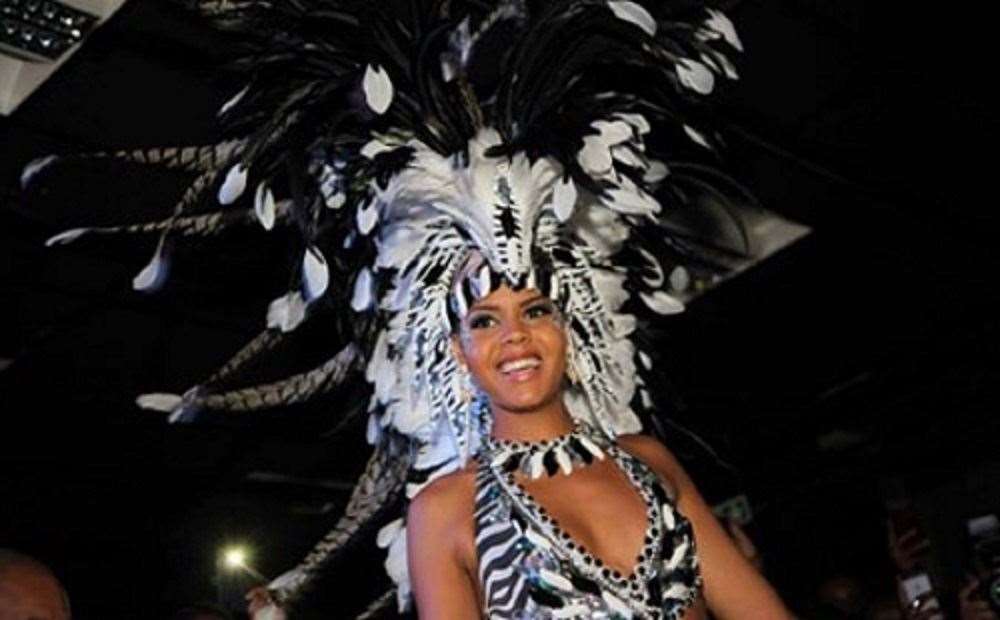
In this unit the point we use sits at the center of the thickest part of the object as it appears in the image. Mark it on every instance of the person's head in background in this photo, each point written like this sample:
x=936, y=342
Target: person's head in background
x=201, y=611
x=29, y=590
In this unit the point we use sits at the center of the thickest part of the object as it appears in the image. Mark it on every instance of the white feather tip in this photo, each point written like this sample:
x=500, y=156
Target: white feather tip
x=634, y=13
x=34, y=167
x=378, y=89
x=233, y=185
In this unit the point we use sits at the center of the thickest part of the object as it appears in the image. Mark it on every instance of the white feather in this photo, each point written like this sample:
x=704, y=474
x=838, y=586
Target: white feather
x=647, y=400
x=159, y=401
x=613, y=132
x=636, y=120
x=594, y=157
x=680, y=279
x=537, y=539
x=286, y=312
x=153, y=274
x=362, y=298
x=727, y=66
x=34, y=167
x=677, y=591
x=367, y=216
x=233, y=185
x=378, y=89
x=396, y=567
x=374, y=429
x=286, y=580
x=630, y=199
x=696, y=135
x=565, y=463
x=656, y=280
x=263, y=206
x=656, y=172
x=375, y=146
x=592, y=448
x=235, y=99
x=388, y=533
x=616, y=605
x=564, y=198
x=335, y=200
x=675, y=557
x=329, y=188
x=634, y=13
x=709, y=62
x=695, y=76
x=66, y=236
x=535, y=466
x=433, y=452
x=316, y=274
x=483, y=281
x=661, y=303
x=610, y=286
x=627, y=156
x=556, y=580
x=719, y=23
x=668, y=517
x=573, y=610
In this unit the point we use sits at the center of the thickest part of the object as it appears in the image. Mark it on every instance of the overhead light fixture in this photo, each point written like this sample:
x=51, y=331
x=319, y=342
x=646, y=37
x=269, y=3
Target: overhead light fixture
x=41, y=30
x=36, y=36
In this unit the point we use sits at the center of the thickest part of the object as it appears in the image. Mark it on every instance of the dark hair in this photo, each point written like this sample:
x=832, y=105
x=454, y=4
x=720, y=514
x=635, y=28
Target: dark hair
x=191, y=612
x=10, y=559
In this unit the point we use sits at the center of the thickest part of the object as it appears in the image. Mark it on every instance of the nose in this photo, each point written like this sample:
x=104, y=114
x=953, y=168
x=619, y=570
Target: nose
x=515, y=332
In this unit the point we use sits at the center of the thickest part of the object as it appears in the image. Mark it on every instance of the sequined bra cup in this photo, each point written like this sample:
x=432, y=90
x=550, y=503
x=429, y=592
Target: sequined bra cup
x=530, y=568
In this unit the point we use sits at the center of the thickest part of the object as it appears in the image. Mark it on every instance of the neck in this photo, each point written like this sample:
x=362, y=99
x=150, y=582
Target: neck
x=536, y=425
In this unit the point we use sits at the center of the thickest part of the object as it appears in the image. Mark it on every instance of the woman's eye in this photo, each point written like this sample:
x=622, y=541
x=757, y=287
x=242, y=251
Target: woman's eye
x=481, y=321
x=538, y=310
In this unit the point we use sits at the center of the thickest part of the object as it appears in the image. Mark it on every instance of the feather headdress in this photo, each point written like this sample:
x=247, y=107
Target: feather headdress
x=407, y=140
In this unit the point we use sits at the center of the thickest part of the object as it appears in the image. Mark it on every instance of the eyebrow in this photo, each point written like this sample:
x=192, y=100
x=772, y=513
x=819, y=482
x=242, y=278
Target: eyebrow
x=491, y=307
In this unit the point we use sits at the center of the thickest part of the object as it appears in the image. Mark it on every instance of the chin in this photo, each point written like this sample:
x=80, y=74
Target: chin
x=525, y=404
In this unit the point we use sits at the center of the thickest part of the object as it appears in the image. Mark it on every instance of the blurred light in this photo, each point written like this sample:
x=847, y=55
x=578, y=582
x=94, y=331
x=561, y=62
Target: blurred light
x=235, y=557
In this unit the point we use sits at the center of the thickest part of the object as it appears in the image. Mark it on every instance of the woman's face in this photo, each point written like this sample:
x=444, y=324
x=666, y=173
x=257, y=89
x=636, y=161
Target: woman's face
x=514, y=344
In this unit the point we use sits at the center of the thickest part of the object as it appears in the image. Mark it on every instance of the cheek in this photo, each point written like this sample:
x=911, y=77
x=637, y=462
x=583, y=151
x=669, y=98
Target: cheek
x=476, y=349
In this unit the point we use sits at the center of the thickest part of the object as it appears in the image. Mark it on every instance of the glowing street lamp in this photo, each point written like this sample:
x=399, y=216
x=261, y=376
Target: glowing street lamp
x=235, y=559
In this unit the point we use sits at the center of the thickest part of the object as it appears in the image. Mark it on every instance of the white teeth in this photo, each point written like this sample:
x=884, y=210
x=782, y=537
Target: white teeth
x=520, y=364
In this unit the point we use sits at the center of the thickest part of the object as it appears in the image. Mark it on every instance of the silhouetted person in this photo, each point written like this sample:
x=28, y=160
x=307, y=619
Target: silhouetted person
x=29, y=590
x=201, y=612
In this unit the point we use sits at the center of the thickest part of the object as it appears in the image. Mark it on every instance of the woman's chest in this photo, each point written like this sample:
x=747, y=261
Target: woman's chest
x=601, y=542
x=599, y=509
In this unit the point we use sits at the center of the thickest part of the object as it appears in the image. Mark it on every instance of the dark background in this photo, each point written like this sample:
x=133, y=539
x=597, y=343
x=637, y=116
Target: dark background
x=866, y=353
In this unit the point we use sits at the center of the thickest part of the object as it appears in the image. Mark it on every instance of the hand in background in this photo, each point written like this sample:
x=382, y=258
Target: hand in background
x=971, y=606
x=908, y=548
x=262, y=607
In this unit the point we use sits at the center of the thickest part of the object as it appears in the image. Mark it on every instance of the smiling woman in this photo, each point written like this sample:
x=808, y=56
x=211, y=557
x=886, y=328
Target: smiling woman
x=552, y=519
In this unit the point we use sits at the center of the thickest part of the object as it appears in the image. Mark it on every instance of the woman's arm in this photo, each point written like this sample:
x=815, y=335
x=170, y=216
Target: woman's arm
x=439, y=539
x=733, y=587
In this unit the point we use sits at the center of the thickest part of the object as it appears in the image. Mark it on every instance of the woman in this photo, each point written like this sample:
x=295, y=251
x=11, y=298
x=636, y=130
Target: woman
x=514, y=345
x=443, y=162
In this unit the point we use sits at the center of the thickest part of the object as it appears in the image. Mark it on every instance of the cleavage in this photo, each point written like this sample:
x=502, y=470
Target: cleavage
x=599, y=508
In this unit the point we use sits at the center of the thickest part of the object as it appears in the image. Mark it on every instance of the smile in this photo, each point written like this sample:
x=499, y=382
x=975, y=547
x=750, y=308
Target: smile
x=520, y=368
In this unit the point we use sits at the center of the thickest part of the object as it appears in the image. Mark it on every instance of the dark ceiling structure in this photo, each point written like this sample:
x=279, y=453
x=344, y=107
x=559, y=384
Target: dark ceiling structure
x=868, y=351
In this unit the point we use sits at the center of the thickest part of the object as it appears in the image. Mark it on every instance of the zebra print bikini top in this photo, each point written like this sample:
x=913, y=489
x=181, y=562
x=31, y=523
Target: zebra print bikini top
x=530, y=568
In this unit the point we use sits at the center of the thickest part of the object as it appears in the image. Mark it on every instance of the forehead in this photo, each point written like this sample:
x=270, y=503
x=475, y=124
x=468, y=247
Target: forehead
x=506, y=296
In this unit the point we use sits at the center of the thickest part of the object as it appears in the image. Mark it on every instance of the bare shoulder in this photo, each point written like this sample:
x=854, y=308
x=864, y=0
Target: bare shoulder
x=656, y=456
x=442, y=512
x=450, y=495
